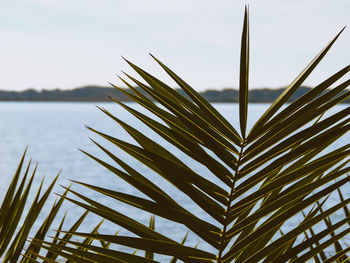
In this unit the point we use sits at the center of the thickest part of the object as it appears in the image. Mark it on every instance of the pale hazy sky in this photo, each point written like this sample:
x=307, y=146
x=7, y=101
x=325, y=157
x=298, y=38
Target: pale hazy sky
x=47, y=44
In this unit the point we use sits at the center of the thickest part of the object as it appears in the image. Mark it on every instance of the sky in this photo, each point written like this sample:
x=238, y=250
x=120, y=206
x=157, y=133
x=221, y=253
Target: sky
x=48, y=44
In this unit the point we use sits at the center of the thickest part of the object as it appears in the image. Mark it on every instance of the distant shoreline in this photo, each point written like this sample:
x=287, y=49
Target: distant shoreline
x=110, y=101
x=102, y=94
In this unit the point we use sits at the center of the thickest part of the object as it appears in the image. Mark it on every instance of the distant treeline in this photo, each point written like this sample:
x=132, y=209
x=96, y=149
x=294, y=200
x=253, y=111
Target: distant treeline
x=98, y=93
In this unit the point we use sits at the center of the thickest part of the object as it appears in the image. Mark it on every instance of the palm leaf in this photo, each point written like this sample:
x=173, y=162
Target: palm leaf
x=244, y=74
x=15, y=222
x=281, y=170
x=287, y=93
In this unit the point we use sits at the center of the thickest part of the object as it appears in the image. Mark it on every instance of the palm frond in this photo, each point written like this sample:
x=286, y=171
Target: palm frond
x=17, y=220
x=264, y=178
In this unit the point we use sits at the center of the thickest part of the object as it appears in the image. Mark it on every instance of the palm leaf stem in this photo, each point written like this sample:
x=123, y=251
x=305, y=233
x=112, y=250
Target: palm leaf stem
x=223, y=238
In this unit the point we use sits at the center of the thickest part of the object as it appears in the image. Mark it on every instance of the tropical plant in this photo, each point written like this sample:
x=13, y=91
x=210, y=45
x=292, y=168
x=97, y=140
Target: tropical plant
x=15, y=222
x=279, y=170
x=18, y=221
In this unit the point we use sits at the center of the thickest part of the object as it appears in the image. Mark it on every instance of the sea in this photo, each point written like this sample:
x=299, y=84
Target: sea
x=55, y=133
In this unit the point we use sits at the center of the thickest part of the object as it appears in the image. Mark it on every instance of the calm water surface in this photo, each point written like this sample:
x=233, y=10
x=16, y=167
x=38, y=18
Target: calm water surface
x=54, y=132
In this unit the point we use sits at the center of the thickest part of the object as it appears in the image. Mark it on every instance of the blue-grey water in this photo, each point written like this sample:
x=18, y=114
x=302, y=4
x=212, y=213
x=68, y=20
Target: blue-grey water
x=53, y=133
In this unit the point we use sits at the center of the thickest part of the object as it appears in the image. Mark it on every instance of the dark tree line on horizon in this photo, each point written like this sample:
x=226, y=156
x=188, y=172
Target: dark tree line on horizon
x=98, y=93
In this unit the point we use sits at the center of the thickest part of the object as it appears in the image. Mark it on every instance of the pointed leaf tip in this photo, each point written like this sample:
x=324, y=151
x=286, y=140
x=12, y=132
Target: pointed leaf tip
x=244, y=74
